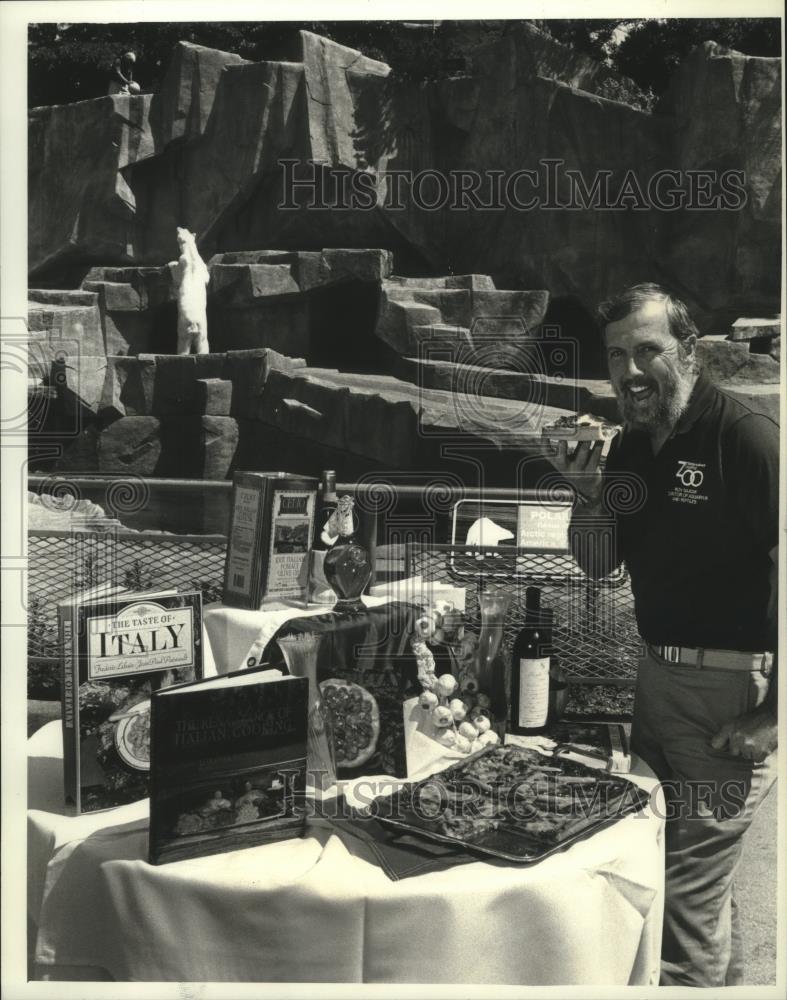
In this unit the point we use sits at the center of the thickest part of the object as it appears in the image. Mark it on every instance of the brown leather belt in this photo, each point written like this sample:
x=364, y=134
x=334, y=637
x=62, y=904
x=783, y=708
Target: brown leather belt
x=717, y=659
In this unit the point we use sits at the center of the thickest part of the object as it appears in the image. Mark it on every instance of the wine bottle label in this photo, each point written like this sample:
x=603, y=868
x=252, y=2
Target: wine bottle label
x=533, y=693
x=329, y=530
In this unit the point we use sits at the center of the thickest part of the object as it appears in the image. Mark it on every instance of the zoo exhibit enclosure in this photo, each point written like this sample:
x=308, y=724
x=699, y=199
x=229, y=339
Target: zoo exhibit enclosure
x=406, y=528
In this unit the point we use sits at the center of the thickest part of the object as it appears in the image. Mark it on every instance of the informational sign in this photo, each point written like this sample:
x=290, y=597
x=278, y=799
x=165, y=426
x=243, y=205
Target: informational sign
x=543, y=527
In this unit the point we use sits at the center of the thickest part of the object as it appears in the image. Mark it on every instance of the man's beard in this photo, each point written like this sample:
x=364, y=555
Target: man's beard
x=666, y=405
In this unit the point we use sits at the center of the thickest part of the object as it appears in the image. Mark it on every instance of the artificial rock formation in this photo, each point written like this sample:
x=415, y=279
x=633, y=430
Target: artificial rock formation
x=210, y=151
x=423, y=316
x=726, y=109
x=276, y=299
x=412, y=355
x=469, y=365
x=202, y=416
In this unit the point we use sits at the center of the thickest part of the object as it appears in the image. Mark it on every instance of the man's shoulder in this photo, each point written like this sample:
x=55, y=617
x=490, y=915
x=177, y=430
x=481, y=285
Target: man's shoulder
x=749, y=444
x=737, y=420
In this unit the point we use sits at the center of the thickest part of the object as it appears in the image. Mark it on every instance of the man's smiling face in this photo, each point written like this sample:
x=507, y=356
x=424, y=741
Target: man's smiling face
x=651, y=371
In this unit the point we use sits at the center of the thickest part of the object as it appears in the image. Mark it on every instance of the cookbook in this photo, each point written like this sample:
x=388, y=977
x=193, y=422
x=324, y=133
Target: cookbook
x=121, y=648
x=228, y=763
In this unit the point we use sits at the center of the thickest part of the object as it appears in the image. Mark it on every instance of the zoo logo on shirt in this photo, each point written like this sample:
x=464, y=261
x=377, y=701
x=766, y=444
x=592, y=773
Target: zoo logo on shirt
x=691, y=476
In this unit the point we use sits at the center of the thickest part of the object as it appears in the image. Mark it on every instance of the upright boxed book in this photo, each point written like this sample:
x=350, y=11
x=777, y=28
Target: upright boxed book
x=228, y=764
x=121, y=648
x=270, y=534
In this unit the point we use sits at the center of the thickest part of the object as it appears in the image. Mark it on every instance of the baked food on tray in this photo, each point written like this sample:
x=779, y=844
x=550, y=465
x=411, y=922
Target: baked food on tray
x=511, y=802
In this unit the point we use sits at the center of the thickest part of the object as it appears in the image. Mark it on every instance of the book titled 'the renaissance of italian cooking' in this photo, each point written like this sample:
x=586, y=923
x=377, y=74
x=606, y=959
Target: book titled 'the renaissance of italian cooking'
x=120, y=649
x=228, y=764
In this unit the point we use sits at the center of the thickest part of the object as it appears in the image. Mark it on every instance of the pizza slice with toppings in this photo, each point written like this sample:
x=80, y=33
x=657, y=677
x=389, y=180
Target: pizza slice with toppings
x=580, y=427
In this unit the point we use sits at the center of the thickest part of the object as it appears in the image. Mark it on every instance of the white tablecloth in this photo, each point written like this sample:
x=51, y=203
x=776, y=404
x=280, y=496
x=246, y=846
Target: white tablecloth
x=318, y=909
x=238, y=637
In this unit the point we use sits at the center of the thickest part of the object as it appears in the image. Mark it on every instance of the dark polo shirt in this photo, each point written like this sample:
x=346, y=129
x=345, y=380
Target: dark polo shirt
x=696, y=540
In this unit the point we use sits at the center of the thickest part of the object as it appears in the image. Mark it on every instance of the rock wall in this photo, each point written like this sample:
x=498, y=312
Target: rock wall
x=412, y=355
x=275, y=299
x=206, y=152
x=204, y=416
x=726, y=113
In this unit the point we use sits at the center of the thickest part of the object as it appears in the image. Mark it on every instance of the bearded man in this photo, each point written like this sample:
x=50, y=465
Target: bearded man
x=689, y=500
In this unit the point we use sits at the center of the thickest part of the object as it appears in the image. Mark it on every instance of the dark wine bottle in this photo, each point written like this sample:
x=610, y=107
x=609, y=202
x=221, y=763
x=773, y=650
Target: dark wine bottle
x=326, y=506
x=530, y=673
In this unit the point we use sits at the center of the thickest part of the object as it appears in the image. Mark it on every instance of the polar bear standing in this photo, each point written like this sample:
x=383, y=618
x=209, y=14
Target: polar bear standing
x=191, y=278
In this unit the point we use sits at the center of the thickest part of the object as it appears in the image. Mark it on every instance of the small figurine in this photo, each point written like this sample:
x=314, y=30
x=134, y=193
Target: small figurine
x=215, y=805
x=122, y=79
x=247, y=805
x=250, y=795
x=191, y=278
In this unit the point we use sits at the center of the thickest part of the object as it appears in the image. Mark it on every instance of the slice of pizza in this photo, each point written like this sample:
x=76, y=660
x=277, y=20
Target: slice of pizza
x=580, y=427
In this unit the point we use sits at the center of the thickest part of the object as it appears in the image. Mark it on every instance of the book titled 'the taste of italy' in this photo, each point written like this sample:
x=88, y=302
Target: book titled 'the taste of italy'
x=121, y=649
x=228, y=764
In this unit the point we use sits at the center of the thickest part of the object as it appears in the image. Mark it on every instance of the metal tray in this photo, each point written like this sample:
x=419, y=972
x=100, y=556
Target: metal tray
x=517, y=837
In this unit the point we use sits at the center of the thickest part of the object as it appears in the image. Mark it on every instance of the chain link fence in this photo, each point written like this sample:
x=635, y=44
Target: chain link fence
x=61, y=563
x=595, y=632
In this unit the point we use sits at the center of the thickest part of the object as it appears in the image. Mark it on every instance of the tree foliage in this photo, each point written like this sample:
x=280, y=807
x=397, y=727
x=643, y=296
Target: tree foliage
x=72, y=62
x=653, y=49
x=649, y=50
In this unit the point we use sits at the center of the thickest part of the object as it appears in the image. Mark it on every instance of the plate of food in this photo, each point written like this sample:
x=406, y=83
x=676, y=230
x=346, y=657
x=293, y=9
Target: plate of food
x=509, y=802
x=132, y=735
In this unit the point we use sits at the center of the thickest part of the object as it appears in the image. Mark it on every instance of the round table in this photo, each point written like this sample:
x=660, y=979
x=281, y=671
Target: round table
x=320, y=909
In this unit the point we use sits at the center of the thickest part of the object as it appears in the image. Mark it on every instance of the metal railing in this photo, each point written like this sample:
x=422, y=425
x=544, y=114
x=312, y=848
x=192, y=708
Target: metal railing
x=407, y=524
x=595, y=632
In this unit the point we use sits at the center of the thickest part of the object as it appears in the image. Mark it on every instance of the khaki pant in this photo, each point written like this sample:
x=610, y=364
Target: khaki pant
x=711, y=799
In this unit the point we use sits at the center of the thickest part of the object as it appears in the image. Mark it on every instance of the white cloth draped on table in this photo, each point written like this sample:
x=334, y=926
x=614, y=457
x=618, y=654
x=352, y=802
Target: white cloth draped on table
x=318, y=909
x=238, y=636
